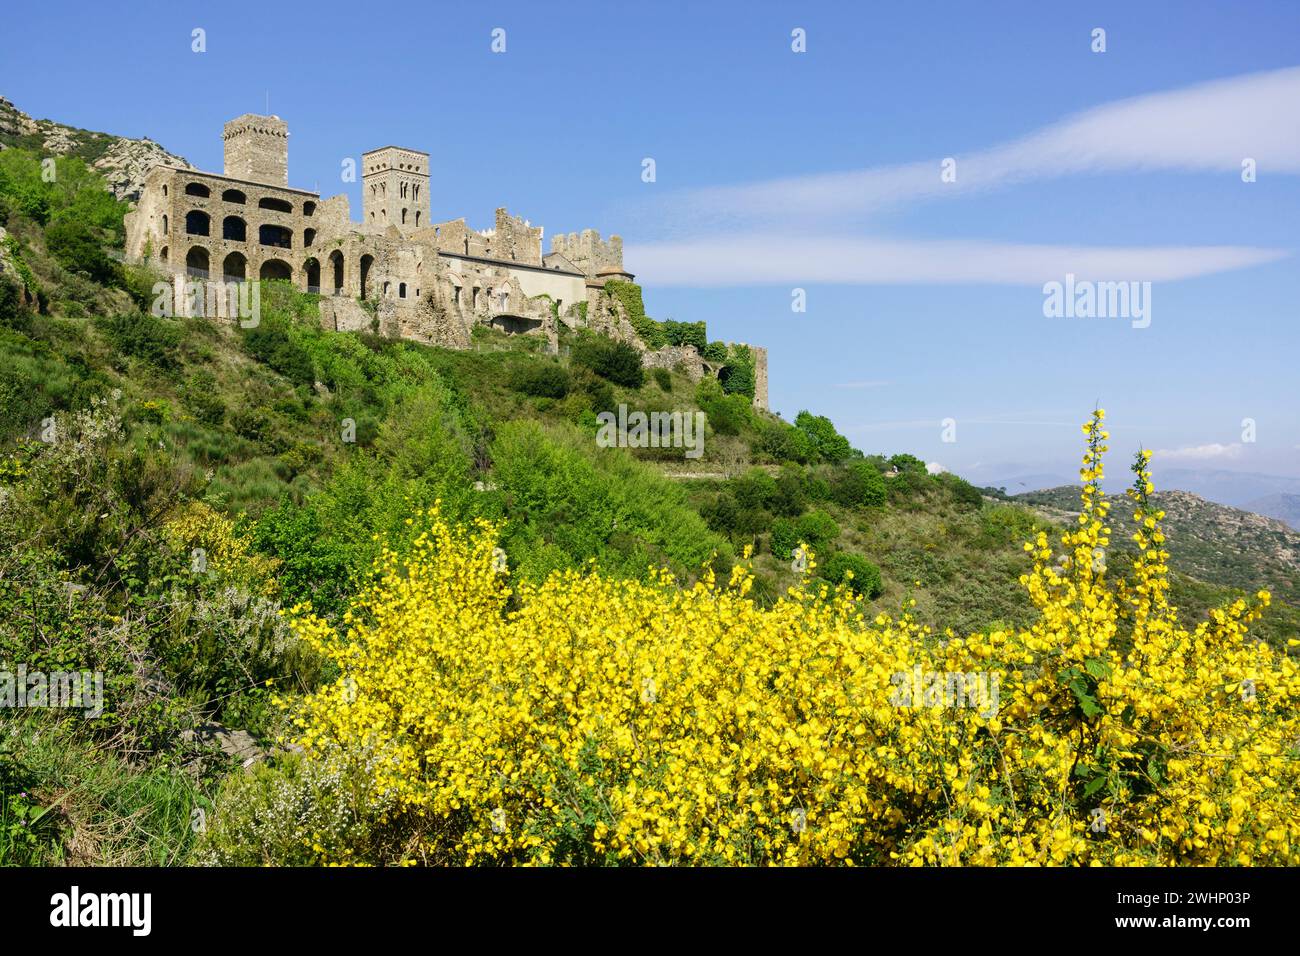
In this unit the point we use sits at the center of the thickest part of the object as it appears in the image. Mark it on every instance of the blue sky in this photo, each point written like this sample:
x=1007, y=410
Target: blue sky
x=924, y=299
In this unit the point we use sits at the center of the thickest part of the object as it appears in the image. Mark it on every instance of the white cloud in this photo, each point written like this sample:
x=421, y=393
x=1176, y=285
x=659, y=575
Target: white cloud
x=1207, y=127
x=766, y=259
x=934, y=468
x=1202, y=452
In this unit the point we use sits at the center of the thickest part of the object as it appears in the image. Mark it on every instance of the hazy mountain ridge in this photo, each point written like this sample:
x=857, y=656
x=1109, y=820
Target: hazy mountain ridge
x=1210, y=541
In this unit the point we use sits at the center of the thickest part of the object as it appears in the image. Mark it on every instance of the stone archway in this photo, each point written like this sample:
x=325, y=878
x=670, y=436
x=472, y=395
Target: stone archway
x=336, y=263
x=197, y=262
x=366, y=262
x=235, y=267
x=276, y=269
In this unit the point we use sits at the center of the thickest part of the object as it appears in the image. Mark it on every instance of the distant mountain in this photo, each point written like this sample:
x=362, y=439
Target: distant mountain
x=1235, y=488
x=123, y=162
x=1209, y=541
x=1283, y=507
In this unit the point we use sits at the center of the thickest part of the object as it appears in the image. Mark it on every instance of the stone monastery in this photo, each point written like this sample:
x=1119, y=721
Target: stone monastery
x=396, y=271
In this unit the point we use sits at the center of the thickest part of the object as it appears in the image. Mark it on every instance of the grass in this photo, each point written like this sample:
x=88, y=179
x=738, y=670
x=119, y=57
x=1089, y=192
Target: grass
x=96, y=808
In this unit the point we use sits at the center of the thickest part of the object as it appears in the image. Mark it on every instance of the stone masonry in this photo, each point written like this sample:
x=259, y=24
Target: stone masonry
x=395, y=272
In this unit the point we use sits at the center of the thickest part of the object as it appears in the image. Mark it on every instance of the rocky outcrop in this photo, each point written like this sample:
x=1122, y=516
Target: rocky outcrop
x=123, y=162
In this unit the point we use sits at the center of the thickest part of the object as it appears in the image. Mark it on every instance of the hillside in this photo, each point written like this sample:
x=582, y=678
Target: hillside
x=123, y=162
x=169, y=486
x=1208, y=541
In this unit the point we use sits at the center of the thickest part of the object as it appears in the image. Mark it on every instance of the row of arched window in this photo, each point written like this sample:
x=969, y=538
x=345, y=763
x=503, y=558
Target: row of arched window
x=198, y=265
x=237, y=197
x=234, y=229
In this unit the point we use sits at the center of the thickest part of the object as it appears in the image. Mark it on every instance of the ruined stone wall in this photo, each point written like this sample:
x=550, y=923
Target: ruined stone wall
x=208, y=223
x=589, y=252
x=515, y=240
x=257, y=149
x=760, y=376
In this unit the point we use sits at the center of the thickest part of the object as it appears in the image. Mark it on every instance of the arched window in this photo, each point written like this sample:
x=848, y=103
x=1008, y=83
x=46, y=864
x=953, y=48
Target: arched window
x=235, y=268
x=276, y=205
x=196, y=223
x=166, y=225
x=309, y=208
x=275, y=269
x=311, y=269
x=401, y=290
x=387, y=287
x=197, y=189
x=308, y=237
x=403, y=216
x=233, y=229
x=366, y=263
x=336, y=260
x=162, y=254
x=417, y=218
x=271, y=235
x=235, y=196
x=196, y=262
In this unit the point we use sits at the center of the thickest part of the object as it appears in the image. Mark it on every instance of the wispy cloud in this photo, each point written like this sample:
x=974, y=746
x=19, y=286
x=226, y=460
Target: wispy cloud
x=1210, y=452
x=780, y=231
x=1207, y=127
x=767, y=259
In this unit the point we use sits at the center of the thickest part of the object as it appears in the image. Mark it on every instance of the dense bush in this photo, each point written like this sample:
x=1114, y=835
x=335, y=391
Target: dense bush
x=270, y=342
x=861, y=576
x=143, y=336
x=816, y=529
x=618, y=362
x=74, y=244
x=525, y=739
x=664, y=379
x=859, y=484
x=783, y=442
x=828, y=444
x=543, y=379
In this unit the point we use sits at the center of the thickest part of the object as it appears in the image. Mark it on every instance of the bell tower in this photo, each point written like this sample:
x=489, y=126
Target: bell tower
x=395, y=188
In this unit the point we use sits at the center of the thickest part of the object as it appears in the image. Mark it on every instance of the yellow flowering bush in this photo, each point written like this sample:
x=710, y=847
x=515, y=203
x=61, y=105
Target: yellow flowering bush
x=197, y=528
x=591, y=720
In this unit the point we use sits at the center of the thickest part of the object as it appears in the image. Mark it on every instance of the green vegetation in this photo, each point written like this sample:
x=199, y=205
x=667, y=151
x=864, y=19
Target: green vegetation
x=168, y=485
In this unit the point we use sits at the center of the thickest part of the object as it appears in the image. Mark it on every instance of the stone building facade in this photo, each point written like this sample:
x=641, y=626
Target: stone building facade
x=395, y=271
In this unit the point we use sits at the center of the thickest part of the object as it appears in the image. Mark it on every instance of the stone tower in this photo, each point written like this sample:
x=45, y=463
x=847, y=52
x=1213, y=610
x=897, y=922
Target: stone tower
x=395, y=188
x=257, y=149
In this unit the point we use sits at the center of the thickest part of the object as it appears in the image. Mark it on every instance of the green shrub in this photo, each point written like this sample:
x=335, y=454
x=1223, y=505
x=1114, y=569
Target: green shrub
x=618, y=362
x=143, y=336
x=865, y=580
x=714, y=352
x=828, y=444
x=76, y=247
x=859, y=484
x=543, y=379
x=783, y=442
x=664, y=379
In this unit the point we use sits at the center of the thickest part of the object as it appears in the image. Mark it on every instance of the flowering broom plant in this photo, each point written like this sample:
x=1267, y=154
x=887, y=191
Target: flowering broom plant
x=589, y=720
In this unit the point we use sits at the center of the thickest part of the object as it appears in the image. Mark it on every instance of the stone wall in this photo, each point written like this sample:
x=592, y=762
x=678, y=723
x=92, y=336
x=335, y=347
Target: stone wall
x=588, y=252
